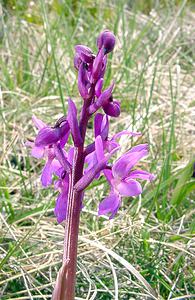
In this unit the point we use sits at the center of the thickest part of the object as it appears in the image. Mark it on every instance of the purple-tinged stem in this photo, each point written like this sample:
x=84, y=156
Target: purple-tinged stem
x=65, y=284
x=72, y=229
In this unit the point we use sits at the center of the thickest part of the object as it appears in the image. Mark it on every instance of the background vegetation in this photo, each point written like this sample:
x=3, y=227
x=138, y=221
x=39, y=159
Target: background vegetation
x=152, y=237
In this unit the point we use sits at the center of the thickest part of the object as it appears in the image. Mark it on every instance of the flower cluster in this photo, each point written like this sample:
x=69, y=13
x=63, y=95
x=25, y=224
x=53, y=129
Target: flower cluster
x=50, y=142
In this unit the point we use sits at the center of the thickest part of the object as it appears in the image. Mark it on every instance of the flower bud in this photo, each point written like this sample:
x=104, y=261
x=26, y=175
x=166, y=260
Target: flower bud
x=102, y=100
x=105, y=95
x=84, y=53
x=106, y=39
x=112, y=108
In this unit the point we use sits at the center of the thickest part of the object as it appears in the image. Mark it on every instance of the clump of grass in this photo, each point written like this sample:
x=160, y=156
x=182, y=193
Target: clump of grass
x=147, y=251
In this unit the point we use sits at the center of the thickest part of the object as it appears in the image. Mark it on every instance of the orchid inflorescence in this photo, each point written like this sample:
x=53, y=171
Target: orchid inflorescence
x=50, y=142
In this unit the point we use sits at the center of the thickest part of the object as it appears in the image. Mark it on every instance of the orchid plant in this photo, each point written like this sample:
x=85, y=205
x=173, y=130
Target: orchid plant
x=77, y=166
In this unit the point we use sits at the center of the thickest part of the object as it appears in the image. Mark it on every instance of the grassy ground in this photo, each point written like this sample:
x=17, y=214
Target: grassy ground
x=148, y=249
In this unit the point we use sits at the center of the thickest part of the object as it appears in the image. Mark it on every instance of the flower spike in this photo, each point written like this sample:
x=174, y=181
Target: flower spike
x=77, y=166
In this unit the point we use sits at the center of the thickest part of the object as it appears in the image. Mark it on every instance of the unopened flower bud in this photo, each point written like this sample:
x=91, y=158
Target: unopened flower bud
x=112, y=108
x=102, y=100
x=106, y=39
x=84, y=53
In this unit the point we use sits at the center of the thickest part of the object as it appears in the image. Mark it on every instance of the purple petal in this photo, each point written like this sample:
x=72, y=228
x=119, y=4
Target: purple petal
x=108, y=174
x=99, y=148
x=140, y=174
x=119, y=168
x=97, y=124
x=46, y=176
x=64, y=139
x=112, y=151
x=47, y=136
x=83, y=81
x=101, y=125
x=62, y=184
x=98, y=87
x=55, y=167
x=125, y=132
x=139, y=148
x=37, y=152
x=60, y=210
x=73, y=122
x=91, y=160
x=110, y=145
x=38, y=123
x=130, y=188
x=59, y=172
x=104, y=127
x=57, y=184
x=97, y=65
x=123, y=165
x=110, y=204
x=62, y=158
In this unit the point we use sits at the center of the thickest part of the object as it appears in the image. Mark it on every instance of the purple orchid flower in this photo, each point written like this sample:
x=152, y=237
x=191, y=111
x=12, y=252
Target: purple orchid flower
x=122, y=178
x=43, y=147
x=101, y=128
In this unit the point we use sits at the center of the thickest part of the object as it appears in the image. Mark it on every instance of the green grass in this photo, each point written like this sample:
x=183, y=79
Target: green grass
x=151, y=238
